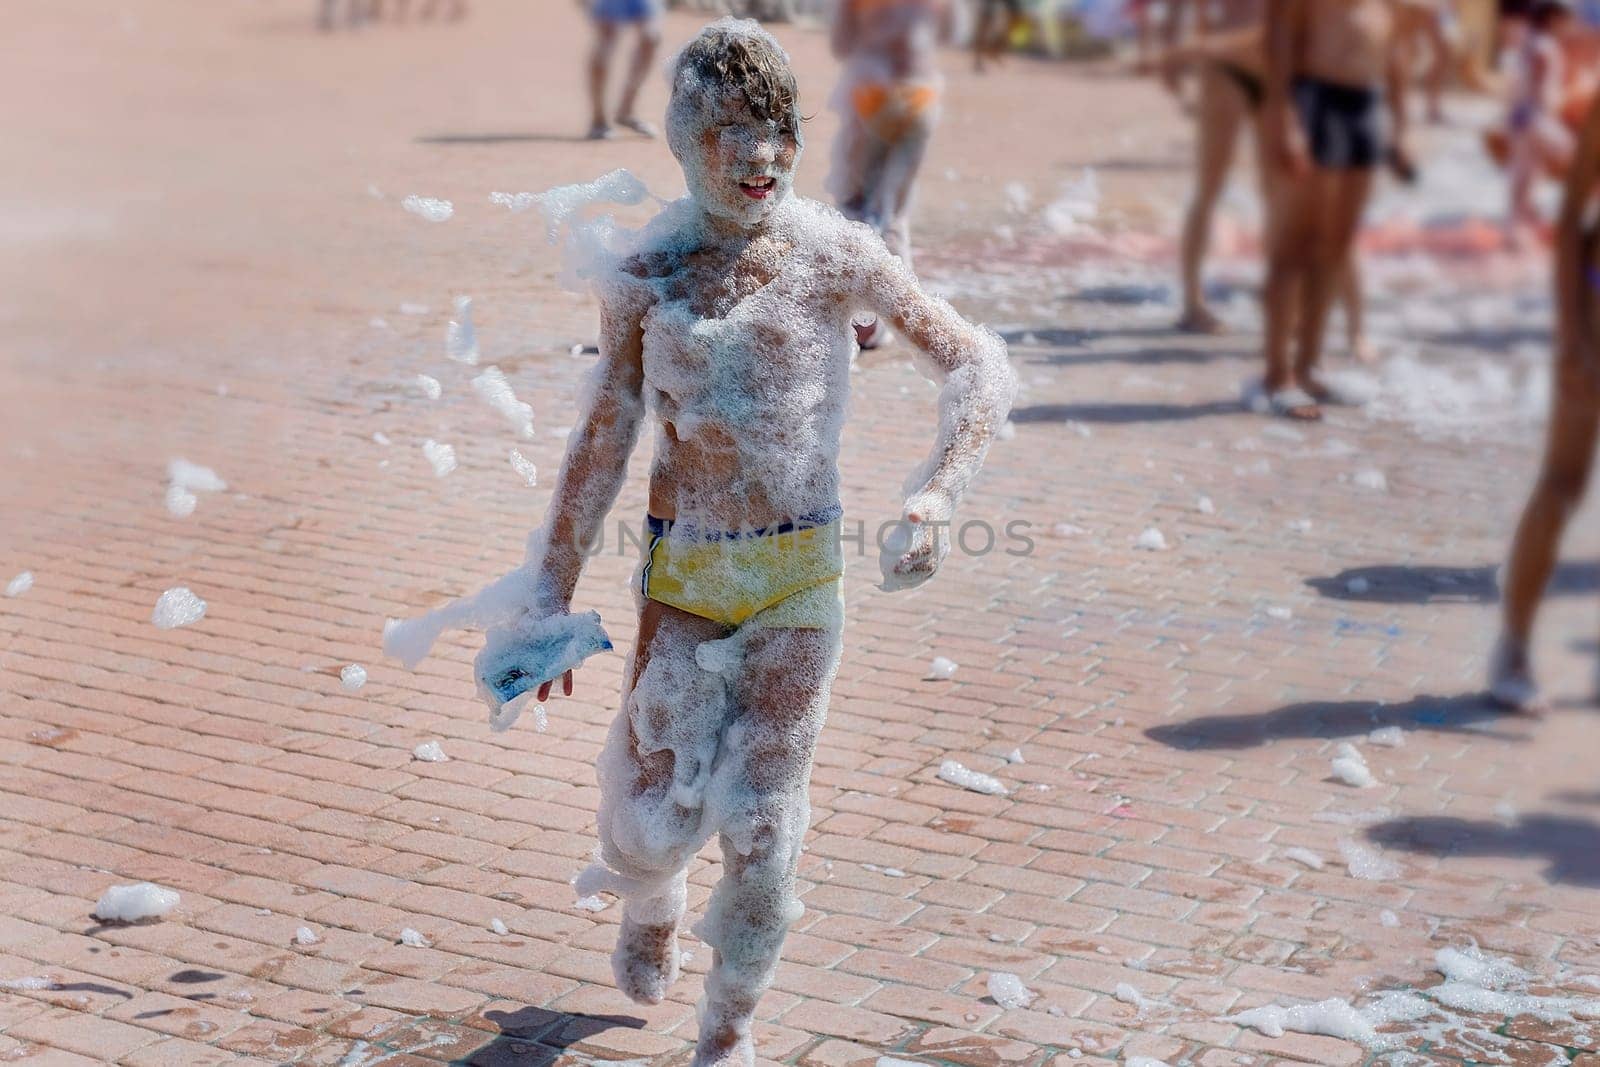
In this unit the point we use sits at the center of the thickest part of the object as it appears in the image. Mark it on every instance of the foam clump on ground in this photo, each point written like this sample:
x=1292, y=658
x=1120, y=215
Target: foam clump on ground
x=430, y=752
x=20, y=584
x=957, y=774
x=942, y=668
x=133, y=903
x=1151, y=540
x=194, y=477
x=1350, y=767
x=177, y=607
x=1008, y=991
x=493, y=389
x=441, y=458
x=414, y=939
x=461, y=337
x=353, y=677
x=429, y=208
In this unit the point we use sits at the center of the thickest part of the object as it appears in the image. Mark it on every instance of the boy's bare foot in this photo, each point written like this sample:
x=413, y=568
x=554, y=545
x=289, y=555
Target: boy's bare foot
x=645, y=961
x=1364, y=351
x=723, y=1046
x=1511, y=683
x=600, y=131
x=1201, y=320
x=638, y=126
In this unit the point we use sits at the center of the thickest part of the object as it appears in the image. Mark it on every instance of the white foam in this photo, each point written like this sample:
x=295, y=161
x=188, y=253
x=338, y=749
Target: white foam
x=1015, y=756
x=380, y=438
x=20, y=584
x=180, y=502
x=1350, y=767
x=499, y=927
x=353, y=677
x=1151, y=540
x=429, y=386
x=430, y=752
x=194, y=477
x=461, y=338
x=1368, y=864
x=28, y=983
x=1130, y=994
x=414, y=939
x=956, y=774
x=590, y=903
x=525, y=468
x=1280, y=613
x=1388, y=918
x=1205, y=506
x=306, y=936
x=132, y=903
x=177, y=607
x=1387, y=737
x=429, y=208
x=942, y=668
x=1305, y=857
x=1371, y=479
x=1330, y=1018
x=493, y=388
x=1073, y=211
x=442, y=458
x=1008, y=991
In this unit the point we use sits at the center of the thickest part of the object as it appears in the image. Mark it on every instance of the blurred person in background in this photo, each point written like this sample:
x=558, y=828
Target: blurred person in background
x=610, y=17
x=1570, y=441
x=991, y=33
x=888, y=101
x=1538, y=139
x=1333, y=72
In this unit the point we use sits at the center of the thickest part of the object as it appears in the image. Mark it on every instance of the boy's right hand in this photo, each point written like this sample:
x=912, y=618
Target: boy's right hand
x=566, y=688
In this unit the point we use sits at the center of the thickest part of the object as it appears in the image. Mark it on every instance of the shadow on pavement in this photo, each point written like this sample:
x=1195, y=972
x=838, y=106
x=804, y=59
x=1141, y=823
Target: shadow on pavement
x=1331, y=719
x=1121, y=413
x=1395, y=583
x=537, y=1037
x=1570, y=846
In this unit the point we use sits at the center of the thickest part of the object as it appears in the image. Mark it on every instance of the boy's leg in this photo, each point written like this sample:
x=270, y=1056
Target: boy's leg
x=1220, y=116
x=605, y=42
x=1339, y=198
x=760, y=794
x=644, y=54
x=1568, y=460
x=1355, y=311
x=653, y=775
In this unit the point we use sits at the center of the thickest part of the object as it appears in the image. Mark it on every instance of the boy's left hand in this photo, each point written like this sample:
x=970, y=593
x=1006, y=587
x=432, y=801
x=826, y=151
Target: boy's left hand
x=566, y=688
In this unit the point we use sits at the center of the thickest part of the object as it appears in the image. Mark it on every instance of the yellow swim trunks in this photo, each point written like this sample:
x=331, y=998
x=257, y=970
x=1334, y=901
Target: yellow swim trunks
x=789, y=575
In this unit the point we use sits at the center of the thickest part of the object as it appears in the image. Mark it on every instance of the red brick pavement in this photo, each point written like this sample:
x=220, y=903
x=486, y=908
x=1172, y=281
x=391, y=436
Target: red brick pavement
x=195, y=265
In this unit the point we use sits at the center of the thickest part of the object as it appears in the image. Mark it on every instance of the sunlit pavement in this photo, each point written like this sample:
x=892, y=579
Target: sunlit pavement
x=205, y=256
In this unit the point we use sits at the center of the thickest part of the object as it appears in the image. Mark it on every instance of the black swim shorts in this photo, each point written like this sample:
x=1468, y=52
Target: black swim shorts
x=1343, y=123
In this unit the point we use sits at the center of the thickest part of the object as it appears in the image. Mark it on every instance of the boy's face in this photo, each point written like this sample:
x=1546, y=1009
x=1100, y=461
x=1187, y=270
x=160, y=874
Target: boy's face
x=737, y=166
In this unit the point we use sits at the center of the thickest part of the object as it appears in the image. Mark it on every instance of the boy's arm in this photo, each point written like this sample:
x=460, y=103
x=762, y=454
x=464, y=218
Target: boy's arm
x=978, y=387
x=596, y=462
x=1285, y=25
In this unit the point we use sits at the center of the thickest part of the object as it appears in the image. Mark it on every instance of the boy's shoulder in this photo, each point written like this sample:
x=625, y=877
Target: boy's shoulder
x=824, y=235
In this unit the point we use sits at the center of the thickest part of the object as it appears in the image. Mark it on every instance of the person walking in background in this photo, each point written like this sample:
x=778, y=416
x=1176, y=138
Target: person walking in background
x=610, y=17
x=1570, y=440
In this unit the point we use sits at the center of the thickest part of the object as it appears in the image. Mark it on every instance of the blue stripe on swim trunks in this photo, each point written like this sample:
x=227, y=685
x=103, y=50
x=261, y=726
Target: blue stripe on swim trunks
x=626, y=10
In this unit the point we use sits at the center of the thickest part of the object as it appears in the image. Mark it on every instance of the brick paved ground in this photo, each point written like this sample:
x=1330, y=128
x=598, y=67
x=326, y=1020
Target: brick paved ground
x=204, y=256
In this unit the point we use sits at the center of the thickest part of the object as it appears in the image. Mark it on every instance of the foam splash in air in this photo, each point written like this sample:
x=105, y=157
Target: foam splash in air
x=429, y=208
x=493, y=389
x=177, y=607
x=133, y=903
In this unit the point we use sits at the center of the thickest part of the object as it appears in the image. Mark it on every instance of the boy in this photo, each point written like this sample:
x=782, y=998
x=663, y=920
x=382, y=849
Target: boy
x=1574, y=418
x=610, y=16
x=1332, y=70
x=732, y=324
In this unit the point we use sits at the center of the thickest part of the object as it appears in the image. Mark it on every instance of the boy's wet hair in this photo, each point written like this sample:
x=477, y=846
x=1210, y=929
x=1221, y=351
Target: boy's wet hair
x=750, y=62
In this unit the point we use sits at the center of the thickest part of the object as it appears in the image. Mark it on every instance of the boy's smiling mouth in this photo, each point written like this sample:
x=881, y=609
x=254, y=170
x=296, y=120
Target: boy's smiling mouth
x=757, y=188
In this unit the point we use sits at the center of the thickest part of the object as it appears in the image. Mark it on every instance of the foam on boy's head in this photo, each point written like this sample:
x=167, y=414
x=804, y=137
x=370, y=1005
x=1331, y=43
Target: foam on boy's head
x=734, y=114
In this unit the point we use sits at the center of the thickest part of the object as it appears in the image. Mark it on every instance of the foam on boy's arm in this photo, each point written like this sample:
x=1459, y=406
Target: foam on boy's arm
x=969, y=362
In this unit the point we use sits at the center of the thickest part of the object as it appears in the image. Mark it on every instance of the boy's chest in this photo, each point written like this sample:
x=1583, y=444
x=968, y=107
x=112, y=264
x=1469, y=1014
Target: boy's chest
x=712, y=284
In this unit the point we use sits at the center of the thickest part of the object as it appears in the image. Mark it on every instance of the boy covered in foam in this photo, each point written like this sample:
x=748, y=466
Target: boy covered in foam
x=730, y=323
